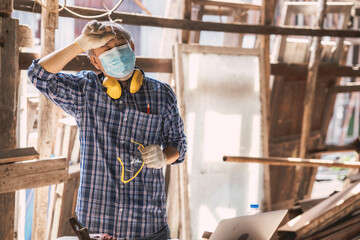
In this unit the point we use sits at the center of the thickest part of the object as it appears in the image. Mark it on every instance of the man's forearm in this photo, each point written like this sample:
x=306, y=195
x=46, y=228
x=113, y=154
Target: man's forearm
x=56, y=61
x=172, y=154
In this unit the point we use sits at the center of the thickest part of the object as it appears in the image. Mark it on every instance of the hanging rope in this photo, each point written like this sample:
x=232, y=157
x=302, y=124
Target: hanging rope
x=107, y=13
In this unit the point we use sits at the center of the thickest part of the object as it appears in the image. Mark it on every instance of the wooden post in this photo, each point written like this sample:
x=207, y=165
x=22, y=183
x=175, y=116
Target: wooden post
x=185, y=229
x=6, y=8
x=267, y=13
x=187, y=16
x=49, y=21
x=309, y=98
x=9, y=84
x=170, y=36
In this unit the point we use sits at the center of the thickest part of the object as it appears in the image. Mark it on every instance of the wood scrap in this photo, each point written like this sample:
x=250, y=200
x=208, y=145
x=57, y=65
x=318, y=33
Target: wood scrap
x=325, y=213
x=17, y=155
x=344, y=229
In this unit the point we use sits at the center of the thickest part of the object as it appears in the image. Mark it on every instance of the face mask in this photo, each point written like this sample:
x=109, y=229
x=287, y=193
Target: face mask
x=118, y=62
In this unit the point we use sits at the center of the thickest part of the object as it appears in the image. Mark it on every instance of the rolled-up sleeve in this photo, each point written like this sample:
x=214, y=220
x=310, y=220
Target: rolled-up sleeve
x=173, y=131
x=65, y=90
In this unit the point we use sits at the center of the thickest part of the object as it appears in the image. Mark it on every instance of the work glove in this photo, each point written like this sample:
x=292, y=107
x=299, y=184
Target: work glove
x=153, y=156
x=94, y=35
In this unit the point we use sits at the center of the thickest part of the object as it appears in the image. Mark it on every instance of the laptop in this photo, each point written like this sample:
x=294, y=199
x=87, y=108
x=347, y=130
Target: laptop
x=253, y=227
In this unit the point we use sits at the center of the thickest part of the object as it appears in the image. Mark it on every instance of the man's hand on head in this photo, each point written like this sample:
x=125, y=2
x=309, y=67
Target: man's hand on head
x=153, y=156
x=94, y=35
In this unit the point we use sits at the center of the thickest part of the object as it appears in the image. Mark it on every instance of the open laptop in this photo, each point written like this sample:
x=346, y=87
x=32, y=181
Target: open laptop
x=254, y=227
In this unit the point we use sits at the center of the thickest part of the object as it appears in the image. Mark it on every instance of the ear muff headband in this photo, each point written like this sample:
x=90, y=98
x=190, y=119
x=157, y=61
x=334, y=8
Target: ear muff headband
x=114, y=89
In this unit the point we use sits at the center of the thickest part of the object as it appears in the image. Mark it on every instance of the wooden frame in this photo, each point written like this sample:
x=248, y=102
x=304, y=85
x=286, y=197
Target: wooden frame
x=180, y=49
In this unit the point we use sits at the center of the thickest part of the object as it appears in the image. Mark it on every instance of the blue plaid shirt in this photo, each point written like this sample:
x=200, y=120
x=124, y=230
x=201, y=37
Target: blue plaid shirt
x=106, y=126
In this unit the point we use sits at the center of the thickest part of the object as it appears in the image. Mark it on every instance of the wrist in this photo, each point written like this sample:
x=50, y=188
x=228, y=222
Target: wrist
x=78, y=45
x=82, y=44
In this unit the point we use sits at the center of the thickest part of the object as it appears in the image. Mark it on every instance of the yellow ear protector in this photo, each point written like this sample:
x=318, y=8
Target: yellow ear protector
x=114, y=89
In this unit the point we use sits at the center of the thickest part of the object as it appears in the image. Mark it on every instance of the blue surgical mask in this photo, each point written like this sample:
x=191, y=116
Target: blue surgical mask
x=118, y=62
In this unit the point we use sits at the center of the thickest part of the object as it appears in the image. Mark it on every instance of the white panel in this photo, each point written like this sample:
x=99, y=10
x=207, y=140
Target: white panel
x=223, y=117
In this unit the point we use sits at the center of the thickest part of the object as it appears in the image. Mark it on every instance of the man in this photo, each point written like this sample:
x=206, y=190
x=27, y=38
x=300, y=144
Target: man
x=129, y=129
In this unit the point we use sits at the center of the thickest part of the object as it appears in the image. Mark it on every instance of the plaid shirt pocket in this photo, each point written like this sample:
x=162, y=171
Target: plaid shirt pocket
x=145, y=128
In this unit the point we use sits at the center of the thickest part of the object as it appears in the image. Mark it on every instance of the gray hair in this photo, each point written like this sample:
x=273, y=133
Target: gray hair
x=120, y=33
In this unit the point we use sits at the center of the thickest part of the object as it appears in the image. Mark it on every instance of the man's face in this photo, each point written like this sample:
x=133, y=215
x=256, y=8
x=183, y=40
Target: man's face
x=98, y=51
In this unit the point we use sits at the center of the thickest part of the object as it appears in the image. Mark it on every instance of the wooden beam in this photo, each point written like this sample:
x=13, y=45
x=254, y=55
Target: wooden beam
x=9, y=85
x=17, y=154
x=332, y=70
x=81, y=62
x=267, y=13
x=49, y=22
x=280, y=161
x=138, y=19
x=308, y=8
x=349, y=87
x=230, y=4
x=32, y=174
x=315, y=57
x=183, y=172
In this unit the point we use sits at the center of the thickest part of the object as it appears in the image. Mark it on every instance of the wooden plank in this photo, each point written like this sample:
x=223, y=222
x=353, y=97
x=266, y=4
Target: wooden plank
x=267, y=13
x=183, y=172
x=280, y=161
x=7, y=209
x=194, y=48
x=230, y=4
x=311, y=83
x=68, y=201
x=299, y=191
x=349, y=87
x=9, y=85
x=18, y=154
x=348, y=232
x=324, y=70
x=49, y=22
x=342, y=226
x=138, y=19
x=325, y=213
x=310, y=7
x=19, y=169
x=81, y=62
x=33, y=181
x=170, y=36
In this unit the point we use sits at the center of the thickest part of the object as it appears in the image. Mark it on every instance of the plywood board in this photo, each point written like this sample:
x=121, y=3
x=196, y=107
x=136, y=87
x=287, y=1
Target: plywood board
x=219, y=91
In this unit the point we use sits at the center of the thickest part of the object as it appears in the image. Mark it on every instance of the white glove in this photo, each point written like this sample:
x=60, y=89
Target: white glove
x=153, y=156
x=94, y=35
